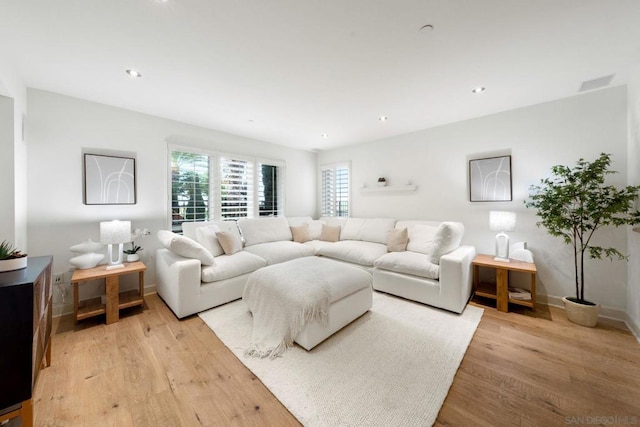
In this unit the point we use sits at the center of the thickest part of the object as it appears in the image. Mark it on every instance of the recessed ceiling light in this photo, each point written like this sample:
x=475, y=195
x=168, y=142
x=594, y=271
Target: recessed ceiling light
x=325, y=135
x=479, y=89
x=383, y=118
x=133, y=73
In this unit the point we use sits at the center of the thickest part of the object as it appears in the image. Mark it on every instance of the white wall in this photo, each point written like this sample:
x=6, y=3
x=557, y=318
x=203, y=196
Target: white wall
x=537, y=137
x=60, y=127
x=633, y=290
x=13, y=192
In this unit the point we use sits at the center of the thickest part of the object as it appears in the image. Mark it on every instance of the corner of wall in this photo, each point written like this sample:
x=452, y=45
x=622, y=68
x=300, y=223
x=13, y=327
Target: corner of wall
x=633, y=178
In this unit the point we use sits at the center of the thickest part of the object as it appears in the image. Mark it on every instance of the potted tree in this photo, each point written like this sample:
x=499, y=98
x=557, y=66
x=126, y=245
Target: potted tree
x=573, y=204
x=11, y=258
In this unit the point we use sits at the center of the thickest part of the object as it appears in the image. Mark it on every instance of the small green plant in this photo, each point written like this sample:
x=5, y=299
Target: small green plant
x=7, y=251
x=575, y=202
x=134, y=249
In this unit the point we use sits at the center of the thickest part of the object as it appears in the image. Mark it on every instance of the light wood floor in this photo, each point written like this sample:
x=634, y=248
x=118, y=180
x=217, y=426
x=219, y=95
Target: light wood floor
x=150, y=369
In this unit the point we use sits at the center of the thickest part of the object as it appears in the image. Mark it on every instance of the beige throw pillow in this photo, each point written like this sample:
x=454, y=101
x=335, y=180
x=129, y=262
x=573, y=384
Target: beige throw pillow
x=230, y=242
x=397, y=240
x=329, y=233
x=301, y=234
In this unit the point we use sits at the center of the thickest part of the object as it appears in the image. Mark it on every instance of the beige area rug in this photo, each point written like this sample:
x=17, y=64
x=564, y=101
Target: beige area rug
x=391, y=367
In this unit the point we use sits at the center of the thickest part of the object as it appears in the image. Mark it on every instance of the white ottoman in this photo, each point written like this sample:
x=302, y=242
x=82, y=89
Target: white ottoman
x=351, y=297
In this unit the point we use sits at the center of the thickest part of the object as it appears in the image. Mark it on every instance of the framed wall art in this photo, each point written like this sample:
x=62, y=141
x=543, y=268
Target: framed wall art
x=109, y=180
x=490, y=179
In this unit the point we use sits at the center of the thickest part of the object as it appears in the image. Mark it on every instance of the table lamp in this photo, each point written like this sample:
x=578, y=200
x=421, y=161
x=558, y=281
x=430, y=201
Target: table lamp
x=502, y=221
x=115, y=233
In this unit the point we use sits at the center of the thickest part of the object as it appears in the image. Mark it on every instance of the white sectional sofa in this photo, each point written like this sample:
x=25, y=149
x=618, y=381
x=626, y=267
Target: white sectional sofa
x=194, y=273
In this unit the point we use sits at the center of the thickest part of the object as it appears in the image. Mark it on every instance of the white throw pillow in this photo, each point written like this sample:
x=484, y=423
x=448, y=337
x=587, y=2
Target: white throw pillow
x=448, y=238
x=185, y=247
x=315, y=229
x=421, y=238
x=263, y=230
x=206, y=236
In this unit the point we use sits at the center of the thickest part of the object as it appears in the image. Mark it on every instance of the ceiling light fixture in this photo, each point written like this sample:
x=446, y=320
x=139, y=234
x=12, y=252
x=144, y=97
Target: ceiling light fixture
x=479, y=89
x=383, y=118
x=133, y=73
x=325, y=135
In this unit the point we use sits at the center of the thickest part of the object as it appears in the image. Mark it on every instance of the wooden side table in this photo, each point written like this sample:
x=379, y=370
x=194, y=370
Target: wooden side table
x=500, y=291
x=115, y=299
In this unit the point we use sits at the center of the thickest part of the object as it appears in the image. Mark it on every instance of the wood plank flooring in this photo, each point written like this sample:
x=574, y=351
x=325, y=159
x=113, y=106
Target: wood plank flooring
x=150, y=369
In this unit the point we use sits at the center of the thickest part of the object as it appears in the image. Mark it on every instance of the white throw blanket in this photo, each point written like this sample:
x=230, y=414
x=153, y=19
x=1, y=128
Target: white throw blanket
x=282, y=299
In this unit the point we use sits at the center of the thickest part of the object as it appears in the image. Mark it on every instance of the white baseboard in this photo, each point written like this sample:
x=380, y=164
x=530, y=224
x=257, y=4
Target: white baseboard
x=67, y=308
x=605, y=313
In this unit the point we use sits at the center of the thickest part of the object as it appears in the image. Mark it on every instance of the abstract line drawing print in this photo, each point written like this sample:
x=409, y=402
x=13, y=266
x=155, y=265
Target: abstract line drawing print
x=490, y=179
x=109, y=180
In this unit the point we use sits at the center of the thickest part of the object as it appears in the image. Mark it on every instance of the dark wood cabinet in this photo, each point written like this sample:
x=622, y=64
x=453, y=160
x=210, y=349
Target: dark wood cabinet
x=25, y=334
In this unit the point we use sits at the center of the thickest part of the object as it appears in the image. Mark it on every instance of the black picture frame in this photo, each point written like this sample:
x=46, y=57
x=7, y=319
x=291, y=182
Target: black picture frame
x=109, y=180
x=490, y=179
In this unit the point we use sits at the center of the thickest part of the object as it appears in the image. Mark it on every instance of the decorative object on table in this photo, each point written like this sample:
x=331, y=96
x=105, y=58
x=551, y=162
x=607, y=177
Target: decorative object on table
x=88, y=257
x=382, y=181
x=490, y=179
x=573, y=204
x=132, y=254
x=518, y=251
x=115, y=233
x=109, y=180
x=502, y=221
x=11, y=258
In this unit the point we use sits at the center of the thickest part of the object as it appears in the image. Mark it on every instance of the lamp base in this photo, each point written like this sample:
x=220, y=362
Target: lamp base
x=114, y=266
x=501, y=259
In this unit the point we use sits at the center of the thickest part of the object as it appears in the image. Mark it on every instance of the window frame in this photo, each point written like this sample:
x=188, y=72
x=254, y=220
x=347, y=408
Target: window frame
x=334, y=167
x=215, y=178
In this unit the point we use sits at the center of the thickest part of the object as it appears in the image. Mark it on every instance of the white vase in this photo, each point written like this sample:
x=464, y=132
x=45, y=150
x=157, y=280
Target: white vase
x=86, y=261
x=581, y=314
x=133, y=257
x=13, y=264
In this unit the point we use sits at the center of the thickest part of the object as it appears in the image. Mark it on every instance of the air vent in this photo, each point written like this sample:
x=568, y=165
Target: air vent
x=598, y=83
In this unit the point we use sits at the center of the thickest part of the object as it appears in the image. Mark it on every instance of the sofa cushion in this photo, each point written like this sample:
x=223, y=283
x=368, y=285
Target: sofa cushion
x=205, y=233
x=230, y=242
x=367, y=229
x=185, y=247
x=334, y=220
x=264, y=230
x=300, y=233
x=276, y=252
x=434, y=241
x=317, y=245
x=228, y=266
x=413, y=263
x=330, y=233
x=357, y=252
x=297, y=221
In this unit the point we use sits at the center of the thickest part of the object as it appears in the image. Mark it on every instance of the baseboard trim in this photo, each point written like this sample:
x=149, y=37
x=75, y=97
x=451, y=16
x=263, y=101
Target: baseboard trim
x=67, y=308
x=605, y=313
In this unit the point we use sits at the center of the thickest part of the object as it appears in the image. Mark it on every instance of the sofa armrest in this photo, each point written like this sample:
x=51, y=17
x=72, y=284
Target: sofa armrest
x=178, y=281
x=456, y=278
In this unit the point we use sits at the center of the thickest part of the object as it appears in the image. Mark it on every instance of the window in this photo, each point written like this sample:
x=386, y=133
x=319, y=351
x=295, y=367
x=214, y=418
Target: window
x=241, y=187
x=335, y=190
x=189, y=188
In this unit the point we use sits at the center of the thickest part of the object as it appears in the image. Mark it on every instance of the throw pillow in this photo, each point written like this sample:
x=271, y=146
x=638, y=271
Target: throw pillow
x=185, y=247
x=398, y=239
x=329, y=233
x=230, y=242
x=301, y=233
x=206, y=236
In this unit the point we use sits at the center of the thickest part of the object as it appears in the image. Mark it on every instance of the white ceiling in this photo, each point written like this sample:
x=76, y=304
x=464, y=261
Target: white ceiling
x=287, y=71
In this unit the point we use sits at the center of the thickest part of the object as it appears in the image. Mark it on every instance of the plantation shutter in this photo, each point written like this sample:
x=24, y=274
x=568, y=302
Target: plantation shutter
x=335, y=190
x=236, y=188
x=270, y=188
x=189, y=188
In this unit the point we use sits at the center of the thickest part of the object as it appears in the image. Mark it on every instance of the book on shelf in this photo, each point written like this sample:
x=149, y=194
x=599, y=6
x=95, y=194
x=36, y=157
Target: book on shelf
x=519, y=293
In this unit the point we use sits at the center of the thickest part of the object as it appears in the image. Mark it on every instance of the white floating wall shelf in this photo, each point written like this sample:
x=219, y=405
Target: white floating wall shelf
x=390, y=189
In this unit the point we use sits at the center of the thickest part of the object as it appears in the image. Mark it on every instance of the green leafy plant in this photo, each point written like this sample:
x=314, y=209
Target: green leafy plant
x=7, y=251
x=575, y=202
x=134, y=249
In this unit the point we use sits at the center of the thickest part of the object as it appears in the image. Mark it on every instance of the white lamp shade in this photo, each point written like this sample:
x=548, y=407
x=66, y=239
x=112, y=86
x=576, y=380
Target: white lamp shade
x=113, y=232
x=502, y=220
